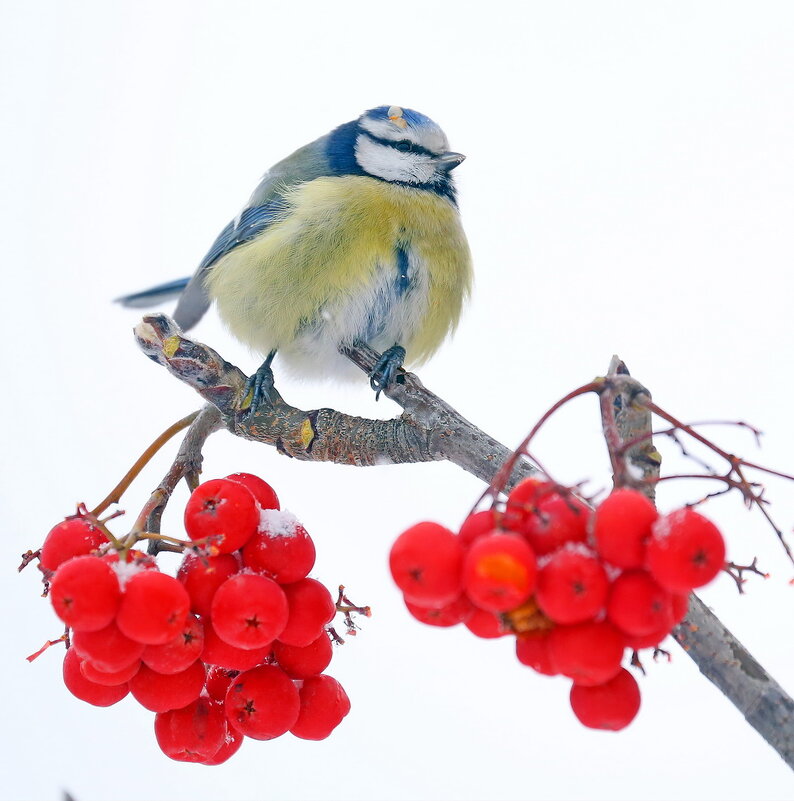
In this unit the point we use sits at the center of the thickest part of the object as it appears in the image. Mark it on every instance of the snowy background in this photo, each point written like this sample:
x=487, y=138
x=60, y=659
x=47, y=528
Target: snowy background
x=629, y=189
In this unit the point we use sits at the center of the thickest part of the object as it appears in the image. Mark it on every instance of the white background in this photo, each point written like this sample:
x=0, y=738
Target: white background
x=629, y=189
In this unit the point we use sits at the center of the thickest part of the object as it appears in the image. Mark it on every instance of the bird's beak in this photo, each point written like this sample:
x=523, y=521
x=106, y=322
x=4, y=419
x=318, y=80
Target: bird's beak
x=448, y=161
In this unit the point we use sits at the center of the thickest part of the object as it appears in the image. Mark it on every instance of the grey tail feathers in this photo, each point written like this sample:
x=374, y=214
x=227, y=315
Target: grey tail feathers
x=154, y=295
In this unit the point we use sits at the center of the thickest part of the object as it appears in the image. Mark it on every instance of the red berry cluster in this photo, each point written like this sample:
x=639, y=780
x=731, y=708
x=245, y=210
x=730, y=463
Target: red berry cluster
x=234, y=646
x=578, y=588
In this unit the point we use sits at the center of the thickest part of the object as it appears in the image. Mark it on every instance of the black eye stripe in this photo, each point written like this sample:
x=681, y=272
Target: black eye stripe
x=412, y=147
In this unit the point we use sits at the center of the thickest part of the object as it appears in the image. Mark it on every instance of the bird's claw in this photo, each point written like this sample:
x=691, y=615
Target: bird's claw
x=385, y=370
x=259, y=386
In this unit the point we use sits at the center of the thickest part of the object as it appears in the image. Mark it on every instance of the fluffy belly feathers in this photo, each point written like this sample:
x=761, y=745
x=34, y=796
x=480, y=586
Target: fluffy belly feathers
x=348, y=258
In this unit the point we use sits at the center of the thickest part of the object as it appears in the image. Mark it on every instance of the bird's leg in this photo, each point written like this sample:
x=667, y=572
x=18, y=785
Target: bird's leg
x=260, y=383
x=385, y=370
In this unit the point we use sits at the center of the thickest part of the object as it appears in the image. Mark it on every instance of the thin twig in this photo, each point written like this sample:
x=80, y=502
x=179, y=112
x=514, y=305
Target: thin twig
x=114, y=496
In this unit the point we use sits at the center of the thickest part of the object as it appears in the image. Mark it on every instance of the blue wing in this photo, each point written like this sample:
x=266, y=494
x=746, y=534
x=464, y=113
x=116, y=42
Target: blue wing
x=306, y=164
x=251, y=222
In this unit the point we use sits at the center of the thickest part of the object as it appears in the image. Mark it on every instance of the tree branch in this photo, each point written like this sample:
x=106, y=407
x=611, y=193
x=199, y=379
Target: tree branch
x=721, y=658
x=431, y=430
x=428, y=430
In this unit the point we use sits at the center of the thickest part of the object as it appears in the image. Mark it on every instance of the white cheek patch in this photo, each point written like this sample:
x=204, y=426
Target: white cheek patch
x=385, y=162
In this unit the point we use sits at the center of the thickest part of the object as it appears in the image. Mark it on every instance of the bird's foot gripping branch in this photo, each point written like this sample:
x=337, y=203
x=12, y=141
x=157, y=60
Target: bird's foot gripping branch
x=583, y=584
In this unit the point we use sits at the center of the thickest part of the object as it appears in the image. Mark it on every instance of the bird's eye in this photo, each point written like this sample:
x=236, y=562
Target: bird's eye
x=404, y=146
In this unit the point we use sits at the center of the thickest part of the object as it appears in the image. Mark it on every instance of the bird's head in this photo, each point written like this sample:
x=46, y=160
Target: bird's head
x=398, y=145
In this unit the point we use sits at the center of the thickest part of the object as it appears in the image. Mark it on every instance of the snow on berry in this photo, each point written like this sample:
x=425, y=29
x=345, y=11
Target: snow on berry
x=278, y=523
x=281, y=547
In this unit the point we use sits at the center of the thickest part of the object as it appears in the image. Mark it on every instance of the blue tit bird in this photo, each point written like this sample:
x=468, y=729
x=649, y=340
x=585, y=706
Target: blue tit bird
x=355, y=237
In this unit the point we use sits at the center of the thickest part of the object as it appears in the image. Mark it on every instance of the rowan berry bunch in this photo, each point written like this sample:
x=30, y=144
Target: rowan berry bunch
x=234, y=646
x=580, y=589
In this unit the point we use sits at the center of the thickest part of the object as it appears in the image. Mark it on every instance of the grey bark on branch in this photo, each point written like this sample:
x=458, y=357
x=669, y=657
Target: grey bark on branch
x=428, y=430
x=720, y=657
x=431, y=430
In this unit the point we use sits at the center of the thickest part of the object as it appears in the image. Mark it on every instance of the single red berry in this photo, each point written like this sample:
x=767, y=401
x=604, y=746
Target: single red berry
x=249, y=610
x=111, y=679
x=262, y=703
x=458, y=611
x=84, y=689
x=557, y=518
x=478, y=524
x=218, y=681
x=310, y=608
x=611, y=706
x=522, y=502
x=638, y=605
x=153, y=608
x=572, y=585
x=193, y=733
x=621, y=527
x=532, y=650
x=281, y=548
x=222, y=512
x=426, y=561
x=75, y=536
x=323, y=704
x=202, y=575
x=231, y=745
x=486, y=625
x=180, y=652
x=499, y=572
x=679, y=606
x=218, y=652
x=300, y=662
x=685, y=551
x=264, y=494
x=85, y=593
x=107, y=649
x=589, y=653
x=159, y=692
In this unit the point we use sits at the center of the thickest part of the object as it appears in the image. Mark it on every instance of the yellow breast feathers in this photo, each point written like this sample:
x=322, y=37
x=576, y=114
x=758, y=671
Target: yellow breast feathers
x=333, y=260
